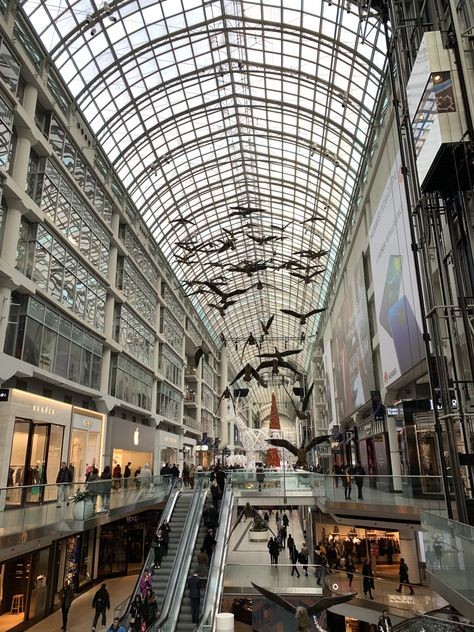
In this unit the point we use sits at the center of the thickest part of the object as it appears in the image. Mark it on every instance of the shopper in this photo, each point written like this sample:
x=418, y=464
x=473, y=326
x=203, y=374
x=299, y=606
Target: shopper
x=209, y=543
x=285, y=521
x=117, y=476
x=194, y=586
x=185, y=475
x=203, y=564
x=350, y=569
x=260, y=476
x=105, y=488
x=127, y=472
x=63, y=481
x=403, y=573
x=158, y=547
x=359, y=474
x=149, y=608
x=116, y=627
x=66, y=596
x=290, y=543
x=135, y=620
x=368, y=578
x=283, y=536
x=165, y=532
x=101, y=603
x=304, y=557
x=294, y=559
x=192, y=475
x=92, y=484
x=145, y=583
x=220, y=478
x=146, y=478
x=385, y=623
x=346, y=482
x=276, y=551
x=215, y=494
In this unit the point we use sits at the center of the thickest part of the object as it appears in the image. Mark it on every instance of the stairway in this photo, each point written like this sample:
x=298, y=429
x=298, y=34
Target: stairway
x=161, y=575
x=185, y=623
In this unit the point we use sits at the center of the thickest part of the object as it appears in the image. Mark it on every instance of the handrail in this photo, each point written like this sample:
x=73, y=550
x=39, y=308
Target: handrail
x=179, y=573
x=215, y=582
x=176, y=487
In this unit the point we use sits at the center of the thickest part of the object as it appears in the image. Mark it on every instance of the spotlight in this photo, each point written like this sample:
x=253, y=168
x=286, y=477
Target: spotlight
x=348, y=6
x=93, y=32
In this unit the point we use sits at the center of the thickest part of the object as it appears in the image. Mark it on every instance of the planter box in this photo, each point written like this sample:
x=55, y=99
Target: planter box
x=258, y=536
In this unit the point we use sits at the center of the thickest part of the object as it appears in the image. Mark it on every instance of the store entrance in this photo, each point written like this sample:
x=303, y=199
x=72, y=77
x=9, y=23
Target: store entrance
x=34, y=461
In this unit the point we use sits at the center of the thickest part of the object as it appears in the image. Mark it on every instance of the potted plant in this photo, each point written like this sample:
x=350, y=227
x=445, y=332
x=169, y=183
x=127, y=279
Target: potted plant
x=83, y=507
x=258, y=532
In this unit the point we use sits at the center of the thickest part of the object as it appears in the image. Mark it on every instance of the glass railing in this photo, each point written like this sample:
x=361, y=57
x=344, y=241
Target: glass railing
x=449, y=553
x=384, y=591
x=424, y=492
x=35, y=506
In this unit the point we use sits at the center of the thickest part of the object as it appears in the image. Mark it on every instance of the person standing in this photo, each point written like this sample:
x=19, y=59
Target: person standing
x=158, y=549
x=385, y=623
x=304, y=557
x=92, y=485
x=318, y=561
x=220, y=478
x=126, y=475
x=149, y=608
x=185, y=475
x=346, y=482
x=260, y=476
x=203, y=564
x=117, y=476
x=294, y=559
x=285, y=521
x=359, y=474
x=276, y=551
x=165, y=531
x=63, y=481
x=290, y=543
x=66, y=596
x=215, y=494
x=194, y=586
x=368, y=578
x=209, y=543
x=101, y=603
x=146, y=478
x=283, y=536
x=403, y=573
x=135, y=620
x=192, y=475
x=438, y=551
x=116, y=627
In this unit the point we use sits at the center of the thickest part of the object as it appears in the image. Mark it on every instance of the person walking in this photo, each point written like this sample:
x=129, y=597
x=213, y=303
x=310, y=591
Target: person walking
x=92, y=485
x=117, y=476
x=285, y=521
x=101, y=603
x=105, y=488
x=294, y=559
x=403, y=573
x=368, y=578
x=63, y=481
x=194, y=586
x=304, y=557
x=127, y=472
x=270, y=550
x=283, y=536
x=318, y=561
x=346, y=482
x=290, y=544
x=116, y=627
x=359, y=474
x=350, y=569
x=66, y=596
x=276, y=551
x=185, y=475
x=385, y=623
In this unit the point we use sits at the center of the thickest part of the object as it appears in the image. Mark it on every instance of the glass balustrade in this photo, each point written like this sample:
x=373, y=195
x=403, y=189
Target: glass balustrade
x=449, y=553
x=98, y=497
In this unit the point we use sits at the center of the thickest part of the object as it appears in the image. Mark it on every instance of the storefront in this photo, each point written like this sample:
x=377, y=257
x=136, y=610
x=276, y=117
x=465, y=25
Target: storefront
x=32, y=445
x=75, y=555
x=124, y=544
x=169, y=448
x=374, y=452
x=129, y=442
x=26, y=589
x=86, y=446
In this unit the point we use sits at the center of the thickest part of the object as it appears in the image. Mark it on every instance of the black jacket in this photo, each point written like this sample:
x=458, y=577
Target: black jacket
x=194, y=585
x=101, y=599
x=64, y=476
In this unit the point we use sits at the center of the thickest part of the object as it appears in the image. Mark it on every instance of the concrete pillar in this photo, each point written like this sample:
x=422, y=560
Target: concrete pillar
x=112, y=272
x=105, y=372
x=409, y=552
x=30, y=97
x=225, y=622
x=109, y=316
x=394, y=454
x=10, y=236
x=224, y=382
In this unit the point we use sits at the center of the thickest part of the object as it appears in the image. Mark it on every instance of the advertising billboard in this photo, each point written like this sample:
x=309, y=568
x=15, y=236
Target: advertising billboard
x=395, y=292
x=352, y=349
x=329, y=383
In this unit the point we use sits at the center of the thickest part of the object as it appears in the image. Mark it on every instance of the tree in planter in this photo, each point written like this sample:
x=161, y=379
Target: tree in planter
x=273, y=456
x=258, y=524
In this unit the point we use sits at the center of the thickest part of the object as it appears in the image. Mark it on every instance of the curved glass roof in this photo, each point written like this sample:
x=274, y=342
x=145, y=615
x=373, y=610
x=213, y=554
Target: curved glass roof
x=205, y=105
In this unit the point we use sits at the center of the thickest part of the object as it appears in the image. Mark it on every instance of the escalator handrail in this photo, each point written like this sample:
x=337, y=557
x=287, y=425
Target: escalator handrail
x=215, y=582
x=179, y=572
x=174, y=493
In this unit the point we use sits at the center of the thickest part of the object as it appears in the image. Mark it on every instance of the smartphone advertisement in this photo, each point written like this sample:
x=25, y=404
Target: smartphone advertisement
x=395, y=291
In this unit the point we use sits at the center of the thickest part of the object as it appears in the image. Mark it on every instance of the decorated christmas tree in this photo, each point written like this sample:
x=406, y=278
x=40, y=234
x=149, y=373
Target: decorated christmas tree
x=273, y=458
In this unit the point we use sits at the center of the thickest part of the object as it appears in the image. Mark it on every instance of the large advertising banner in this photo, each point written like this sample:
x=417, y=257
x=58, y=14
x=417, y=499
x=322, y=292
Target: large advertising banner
x=395, y=292
x=328, y=380
x=352, y=349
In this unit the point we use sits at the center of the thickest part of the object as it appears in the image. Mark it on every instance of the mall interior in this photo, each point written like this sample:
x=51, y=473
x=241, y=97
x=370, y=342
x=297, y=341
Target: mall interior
x=232, y=233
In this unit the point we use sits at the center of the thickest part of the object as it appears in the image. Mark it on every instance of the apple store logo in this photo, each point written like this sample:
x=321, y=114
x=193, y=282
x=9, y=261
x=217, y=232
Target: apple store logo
x=136, y=436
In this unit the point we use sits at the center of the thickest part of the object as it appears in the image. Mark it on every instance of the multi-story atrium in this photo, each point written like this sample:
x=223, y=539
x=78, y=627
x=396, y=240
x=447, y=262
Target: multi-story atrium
x=237, y=235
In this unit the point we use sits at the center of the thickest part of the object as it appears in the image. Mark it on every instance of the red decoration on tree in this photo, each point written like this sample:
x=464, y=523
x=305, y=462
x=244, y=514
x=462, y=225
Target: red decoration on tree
x=273, y=457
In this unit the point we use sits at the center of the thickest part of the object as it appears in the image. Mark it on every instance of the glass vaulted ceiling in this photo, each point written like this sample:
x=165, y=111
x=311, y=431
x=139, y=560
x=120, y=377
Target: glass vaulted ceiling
x=204, y=105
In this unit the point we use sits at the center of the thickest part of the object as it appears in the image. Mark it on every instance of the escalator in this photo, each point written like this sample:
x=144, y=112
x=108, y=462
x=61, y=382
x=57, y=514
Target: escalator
x=185, y=623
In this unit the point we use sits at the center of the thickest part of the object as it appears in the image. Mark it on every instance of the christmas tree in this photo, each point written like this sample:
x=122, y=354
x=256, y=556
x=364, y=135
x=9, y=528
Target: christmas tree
x=273, y=458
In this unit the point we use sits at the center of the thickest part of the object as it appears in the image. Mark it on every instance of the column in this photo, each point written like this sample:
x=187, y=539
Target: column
x=394, y=454
x=105, y=372
x=224, y=382
x=409, y=552
x=112, y=272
